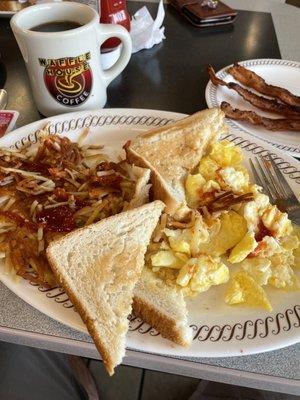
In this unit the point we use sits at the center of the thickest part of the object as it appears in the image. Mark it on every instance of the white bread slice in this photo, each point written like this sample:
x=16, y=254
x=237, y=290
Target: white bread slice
x=98, y=267
x=162, y=307
x=158, y=304
x=142, y=185
x=174, y=150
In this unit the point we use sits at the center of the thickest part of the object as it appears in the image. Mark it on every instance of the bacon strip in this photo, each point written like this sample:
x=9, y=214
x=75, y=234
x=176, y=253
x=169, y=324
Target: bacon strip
x=261, y=102
x=255, y=119
x=252, y=80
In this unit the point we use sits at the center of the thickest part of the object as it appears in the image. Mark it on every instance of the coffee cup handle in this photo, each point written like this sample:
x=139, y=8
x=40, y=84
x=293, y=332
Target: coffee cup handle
x=107, y=31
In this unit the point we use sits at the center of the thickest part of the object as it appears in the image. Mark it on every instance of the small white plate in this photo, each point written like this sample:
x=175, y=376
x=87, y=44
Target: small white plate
x=277, y=72
x=219, y=330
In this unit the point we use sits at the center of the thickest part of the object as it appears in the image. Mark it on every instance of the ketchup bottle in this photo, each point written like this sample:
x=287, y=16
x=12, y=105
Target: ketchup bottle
x=113, y=12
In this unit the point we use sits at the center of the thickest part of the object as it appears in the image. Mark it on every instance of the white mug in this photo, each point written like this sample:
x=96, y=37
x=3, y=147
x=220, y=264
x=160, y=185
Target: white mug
x=64, y=68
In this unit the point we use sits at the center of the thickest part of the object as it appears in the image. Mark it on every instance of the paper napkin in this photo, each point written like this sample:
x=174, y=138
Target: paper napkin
x=145, y=32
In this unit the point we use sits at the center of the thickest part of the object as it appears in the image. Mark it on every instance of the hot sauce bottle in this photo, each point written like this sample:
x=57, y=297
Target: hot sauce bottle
x=113, y=12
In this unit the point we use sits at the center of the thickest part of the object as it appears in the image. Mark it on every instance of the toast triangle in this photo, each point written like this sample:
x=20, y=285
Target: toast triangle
x=98, y=267
x=163, y=307
x=174, y=150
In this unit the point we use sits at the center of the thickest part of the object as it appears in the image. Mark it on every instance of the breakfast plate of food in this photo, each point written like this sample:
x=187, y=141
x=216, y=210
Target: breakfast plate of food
x=260, y=97
x=146, y=229
x=8, y=8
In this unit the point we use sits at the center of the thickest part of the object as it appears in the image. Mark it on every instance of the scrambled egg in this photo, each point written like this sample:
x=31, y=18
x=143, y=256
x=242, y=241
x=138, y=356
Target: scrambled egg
x=255, y=236
x=233, y=228
x=259, y=268
x=208, y=168
x=194, y=188
x=219, y=170
x=297, y=248
x=183, y=263
x=225, y=154
x=233, y=179
x=283, y=275
x=202, y=272
x=276, y=221
x=166, y=258
x=244, y=289
x=253, y=209
x=243, y=248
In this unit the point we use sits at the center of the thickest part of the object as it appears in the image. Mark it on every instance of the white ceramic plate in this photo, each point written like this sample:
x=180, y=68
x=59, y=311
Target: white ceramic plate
x=7, y=14
x=277, y=72
x=219, y=330
x=15, y=7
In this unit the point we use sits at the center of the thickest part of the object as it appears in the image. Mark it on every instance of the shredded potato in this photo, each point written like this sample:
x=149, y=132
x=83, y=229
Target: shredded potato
x=50, y=188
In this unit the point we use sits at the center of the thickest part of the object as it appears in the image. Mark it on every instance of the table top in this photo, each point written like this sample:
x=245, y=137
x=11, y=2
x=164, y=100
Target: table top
x=170, y=76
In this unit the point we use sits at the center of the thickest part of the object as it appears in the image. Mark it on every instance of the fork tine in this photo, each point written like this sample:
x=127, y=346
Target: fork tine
x=257, y=178
x=266, y=184
x=286, y=189
x=275, y=185
x=254, y=172
x=271, y=178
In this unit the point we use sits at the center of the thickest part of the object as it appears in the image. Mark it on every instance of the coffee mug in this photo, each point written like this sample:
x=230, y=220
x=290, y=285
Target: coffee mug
x=64, y=66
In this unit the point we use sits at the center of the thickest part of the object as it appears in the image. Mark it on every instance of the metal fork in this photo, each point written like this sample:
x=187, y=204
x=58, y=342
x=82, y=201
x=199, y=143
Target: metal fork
x=268, y=175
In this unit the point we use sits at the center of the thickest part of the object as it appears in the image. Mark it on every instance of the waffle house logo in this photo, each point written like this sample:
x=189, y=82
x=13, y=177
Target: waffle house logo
x=68, y=80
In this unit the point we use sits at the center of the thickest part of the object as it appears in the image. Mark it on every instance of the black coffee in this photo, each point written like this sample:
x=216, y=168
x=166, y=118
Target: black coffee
x=56, y=26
